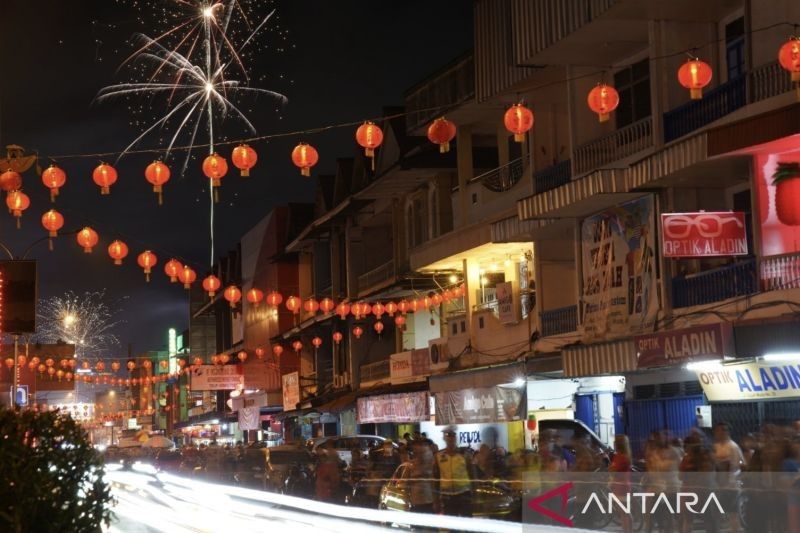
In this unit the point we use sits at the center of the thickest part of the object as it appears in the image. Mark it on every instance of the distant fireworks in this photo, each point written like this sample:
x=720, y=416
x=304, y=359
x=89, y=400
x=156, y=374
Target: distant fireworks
x=86, y=320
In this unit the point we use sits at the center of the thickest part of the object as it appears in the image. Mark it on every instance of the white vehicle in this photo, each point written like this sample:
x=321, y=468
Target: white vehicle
x=345, y=444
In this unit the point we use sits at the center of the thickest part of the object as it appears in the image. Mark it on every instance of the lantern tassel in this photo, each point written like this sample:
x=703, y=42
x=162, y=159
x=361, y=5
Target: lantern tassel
x=372, y=158
x=160, y=198
x=696, y=94
x=444, y=148
x=50, y=244
x=305, y=171
x=604, y=117
x=147, y=277
x=519, y=137
x=19, y=224
x=53, y=194
x=216, y=196
x=245, y=173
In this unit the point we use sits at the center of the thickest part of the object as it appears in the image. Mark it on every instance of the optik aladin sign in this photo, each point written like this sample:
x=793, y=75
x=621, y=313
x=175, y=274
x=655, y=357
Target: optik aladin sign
x=704, y=234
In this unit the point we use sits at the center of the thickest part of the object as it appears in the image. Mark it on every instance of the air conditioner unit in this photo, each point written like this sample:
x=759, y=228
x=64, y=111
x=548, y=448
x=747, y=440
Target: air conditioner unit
x=439, y=353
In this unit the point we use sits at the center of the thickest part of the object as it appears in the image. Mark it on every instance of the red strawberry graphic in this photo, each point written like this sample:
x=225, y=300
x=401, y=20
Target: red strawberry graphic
x=786, y=180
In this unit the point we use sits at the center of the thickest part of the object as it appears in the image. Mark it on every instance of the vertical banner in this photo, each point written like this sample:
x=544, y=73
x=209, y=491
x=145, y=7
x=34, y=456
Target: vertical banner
x=620, y=292
x=504, y=292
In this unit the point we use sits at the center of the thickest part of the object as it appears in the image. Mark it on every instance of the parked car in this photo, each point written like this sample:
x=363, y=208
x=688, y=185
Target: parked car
x=345, y=444
x=289, y=469
x=489, y=498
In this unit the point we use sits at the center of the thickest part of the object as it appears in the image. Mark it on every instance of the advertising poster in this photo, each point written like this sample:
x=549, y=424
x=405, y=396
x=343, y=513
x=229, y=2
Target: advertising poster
x=706, y=234
x=396, y=408
x=778, y=208
x=751, y=381
x=620, y=291
x=291, y=391
x=216, y=377
x=504, y=293
x=478, y=406
x=670, y=348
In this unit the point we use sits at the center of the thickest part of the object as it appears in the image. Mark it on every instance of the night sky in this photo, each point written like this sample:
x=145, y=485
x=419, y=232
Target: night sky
x=347, y=60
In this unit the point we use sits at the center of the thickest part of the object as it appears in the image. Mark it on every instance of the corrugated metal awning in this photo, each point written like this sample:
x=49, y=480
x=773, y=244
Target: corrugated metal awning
x=600, y=358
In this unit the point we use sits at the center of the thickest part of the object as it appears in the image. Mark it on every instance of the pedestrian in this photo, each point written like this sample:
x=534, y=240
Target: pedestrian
x=697, y=476
x=422, y=489
x=728, y=459
x=328, y=479
x=620, y=470
x=452, y=469
x=791, y=483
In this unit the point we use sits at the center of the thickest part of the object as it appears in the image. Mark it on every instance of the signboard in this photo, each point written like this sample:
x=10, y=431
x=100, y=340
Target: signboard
x=81, y=412
x=407, y=367
x=710, y=341
x=439, y=352
x=478, y=406
x=505, y=302
x=291, y=391
x=404, y=408
x=779, y=230
x=215, y=377
x=751, y=381
x=707, y=234
x=620, y=293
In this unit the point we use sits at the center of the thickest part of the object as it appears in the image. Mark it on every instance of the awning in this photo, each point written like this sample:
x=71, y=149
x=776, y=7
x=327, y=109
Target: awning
x=296, y=413
x=477, y=379
x=600, y=358
x=205, y=418
x=414, y=386
x=338, y=404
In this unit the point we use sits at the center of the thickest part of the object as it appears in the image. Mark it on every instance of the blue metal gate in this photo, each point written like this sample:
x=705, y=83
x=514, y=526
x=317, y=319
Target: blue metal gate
x=642, y=417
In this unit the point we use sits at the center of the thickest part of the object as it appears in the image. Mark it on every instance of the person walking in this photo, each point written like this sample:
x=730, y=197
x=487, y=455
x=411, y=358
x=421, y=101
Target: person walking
x=453, y=472
x=728, y=459
x=620, y=470
x=422, y=481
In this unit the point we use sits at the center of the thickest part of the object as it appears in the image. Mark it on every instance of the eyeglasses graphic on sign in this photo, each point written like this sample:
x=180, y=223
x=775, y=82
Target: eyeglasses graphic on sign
x=705, y=225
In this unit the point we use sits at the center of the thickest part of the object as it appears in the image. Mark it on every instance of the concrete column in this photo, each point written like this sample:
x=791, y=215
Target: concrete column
x=572, y=119
x=502, y=145
x=336, y=265
x=472, y=284
x=350, y=288
x=658, y=80
x=578, y=269
x=466, y=171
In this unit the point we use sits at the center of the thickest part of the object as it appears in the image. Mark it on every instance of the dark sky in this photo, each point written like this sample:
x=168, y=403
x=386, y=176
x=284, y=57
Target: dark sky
x=349, y=59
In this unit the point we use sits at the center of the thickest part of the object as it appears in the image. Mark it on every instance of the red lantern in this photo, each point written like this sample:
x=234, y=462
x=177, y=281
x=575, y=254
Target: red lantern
x=233, y=295
x=100, y=366
x=157, y=173
x=311, y=305
x=304, y=156
x=147, y=364
x=181, y=363
x=342, y=310
x=215, y=167
x=260, y=353
x=297, y=346
x=224, y=358
x=115, y=366
x=391, y=308
x=274, y=299
x=293, y=304
x=147, y=260
x=518, y=120
x=10, y=362
x=694, y=75
x=277, y=350
x=131, y=365
x=317, y=342
x=214, y=359
x=403, y=306
x=326, y=305
x=21, y=360
x=254, y=296
x=104, y=176
x=42, y=368
x=603, y=99
x=211, y=285
x=10, y=181
x=172, y=269
x=163, y=364
x=358, y=331
x=118, y=251
x=369, y=136
x=53, y=178
x=789, y=58
x=378, y=309
x=337, y=337
x=378, y=326
x=68, y=376
x=197, y=361
x=87, y=237
x=437, y=299
x=52, y=222
x=84, y=365
x=244, y=158
x=187, y=276
x=17, y=202
x=242, y=356
x=441, y=132
x=365, y=309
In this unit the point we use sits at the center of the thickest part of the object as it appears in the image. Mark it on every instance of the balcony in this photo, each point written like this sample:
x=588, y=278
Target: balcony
x=780, y=272
x=552, y=177
x=373, y=373
x=561, y=320
x=449, y=87
x=716, y=103
x=376, y=278
x=618, y=145
x=502, y=178
x=767, y=81
x=738, y=279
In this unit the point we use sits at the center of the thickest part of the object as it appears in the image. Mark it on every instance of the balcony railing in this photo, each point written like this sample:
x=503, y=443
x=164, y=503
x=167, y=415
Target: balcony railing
x=451, y=86
x=375, y=372
x=502, y=178
x=553, y=176
x=738, y=279
x=780, y=272
x=561, y=320
x=767, y=81
x=376, y=276
x=618, y=145
x=714, y=105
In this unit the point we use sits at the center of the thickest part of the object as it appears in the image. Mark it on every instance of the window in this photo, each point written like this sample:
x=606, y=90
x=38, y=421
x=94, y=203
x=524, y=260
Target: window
x=633, y=85
x=734, y=48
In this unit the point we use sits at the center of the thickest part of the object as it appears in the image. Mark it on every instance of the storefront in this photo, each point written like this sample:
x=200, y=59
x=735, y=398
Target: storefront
x=391, y=415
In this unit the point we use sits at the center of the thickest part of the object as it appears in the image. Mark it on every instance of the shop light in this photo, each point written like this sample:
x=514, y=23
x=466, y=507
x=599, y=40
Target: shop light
x=788, y=356
x=493, y=267
x=704, y=366
x=520, y=382
x=453, y=279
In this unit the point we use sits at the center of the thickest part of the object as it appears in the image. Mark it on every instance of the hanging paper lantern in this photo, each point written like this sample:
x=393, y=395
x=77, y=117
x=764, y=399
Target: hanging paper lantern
x=694, y=75
x=187, y=276
x=304, y=156
x=403, y=306
x=260, y=352
x=603, y=99
x=342, y=310
x=35, y=360
x=415, y=305
x=518, y=120
x=118, y=251
x=297, y=346
x=293, y=304
x=254, y=296
x=378, y=309
x=441, y=132
x=17, y=202
x=215, y=360
x=21, y=360
x=358, y=331
x=317, y=342
x=211, y=285
x=789, y=58
x=41, y=368
x=378, y=326
x=87, y=237
x=274, y=299
x=147, y=364
x=181, y=363
x=326, y=305
x=365, y=309
x=215, y=167
x=391, y=308
x=64, y=363
x=53, y=178
x=173, y=269
x=68, y=376
x=163, y=364
x=311, y=305
x=157, y=173
x=437, y=299
x=10, y=362
x=115, y=366
x=197, y=361
x=84, y=365
x=10, y=181
x=32, y=366
x=426, y=302
x=104, y=176
x=131, y=365
x=337, y=337
x=244, y=158
x=242, y=356
x=100, y=366
x=59, y=374
x=369, y=136
x=277, y=350
x=233, y=295
x=147, y=260
x=52, y=222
